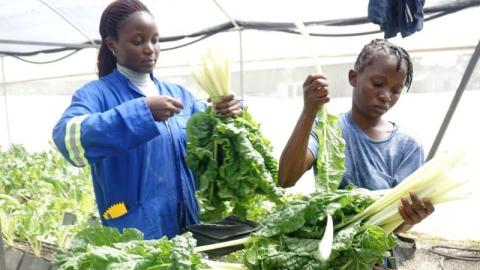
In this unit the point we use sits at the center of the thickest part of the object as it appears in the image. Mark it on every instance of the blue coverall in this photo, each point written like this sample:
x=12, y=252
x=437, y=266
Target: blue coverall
x=134, y=159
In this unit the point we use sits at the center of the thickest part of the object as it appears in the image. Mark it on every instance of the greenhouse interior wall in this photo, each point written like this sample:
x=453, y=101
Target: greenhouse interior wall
x=268, y=73
x=273, y=94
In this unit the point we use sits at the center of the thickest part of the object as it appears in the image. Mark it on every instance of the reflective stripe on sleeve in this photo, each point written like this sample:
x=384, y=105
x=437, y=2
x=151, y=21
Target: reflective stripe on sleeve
x=72, y=141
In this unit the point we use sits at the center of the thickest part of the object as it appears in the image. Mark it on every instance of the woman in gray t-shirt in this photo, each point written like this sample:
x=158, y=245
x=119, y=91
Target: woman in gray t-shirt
x=379, y=154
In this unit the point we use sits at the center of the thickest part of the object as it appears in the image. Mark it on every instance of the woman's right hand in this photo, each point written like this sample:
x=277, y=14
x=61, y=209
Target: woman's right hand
x=163, y=107
x=315, y=93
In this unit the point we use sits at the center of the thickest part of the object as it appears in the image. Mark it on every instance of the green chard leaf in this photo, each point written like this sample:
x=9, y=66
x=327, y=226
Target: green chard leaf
x=331, y=152
x=107, y=248
x=235, y=171
x=289, y=237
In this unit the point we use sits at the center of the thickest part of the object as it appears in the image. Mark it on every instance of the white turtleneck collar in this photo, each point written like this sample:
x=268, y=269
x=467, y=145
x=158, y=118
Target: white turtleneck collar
x=142, y=80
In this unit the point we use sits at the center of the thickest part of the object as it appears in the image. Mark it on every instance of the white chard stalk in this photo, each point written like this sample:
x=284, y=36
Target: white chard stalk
x=222, y=244
x=325, y=245
x=433, y=180
x=223, y=266
x=213, y=75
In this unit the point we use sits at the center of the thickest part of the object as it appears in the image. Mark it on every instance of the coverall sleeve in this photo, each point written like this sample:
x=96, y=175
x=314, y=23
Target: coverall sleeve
x=86, y=133
x=197, y=105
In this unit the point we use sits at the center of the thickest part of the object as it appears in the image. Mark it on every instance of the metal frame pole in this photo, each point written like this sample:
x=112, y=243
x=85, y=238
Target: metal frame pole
x=2, y=252
x=242, y=92
x=456, y=99
x=7, y=118
x=52, y=44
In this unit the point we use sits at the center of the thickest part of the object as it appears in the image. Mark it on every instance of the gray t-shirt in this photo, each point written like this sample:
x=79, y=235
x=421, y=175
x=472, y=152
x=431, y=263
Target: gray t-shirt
x=375, y=164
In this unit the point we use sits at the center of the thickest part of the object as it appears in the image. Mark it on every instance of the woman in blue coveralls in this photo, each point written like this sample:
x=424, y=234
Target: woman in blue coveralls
x=378, y=153
x=130, y=128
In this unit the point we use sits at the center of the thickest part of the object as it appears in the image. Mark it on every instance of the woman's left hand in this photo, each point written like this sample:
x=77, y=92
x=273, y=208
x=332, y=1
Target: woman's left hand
x=416, y=211
x=228, y=106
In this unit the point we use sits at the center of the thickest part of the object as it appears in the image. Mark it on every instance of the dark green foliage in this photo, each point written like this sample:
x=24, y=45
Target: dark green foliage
x=234, y=168
x=106, y=248
x=331, y=152
x=289, y=237
x=36, y=190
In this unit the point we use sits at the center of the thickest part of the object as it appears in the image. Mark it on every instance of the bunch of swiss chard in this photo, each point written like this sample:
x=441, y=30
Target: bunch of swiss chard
x=106, y=248
x=235, y=170
x=233, y=165
x=290, y=237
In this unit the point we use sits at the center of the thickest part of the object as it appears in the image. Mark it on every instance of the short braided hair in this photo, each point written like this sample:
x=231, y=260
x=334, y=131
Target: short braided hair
x=369, y=51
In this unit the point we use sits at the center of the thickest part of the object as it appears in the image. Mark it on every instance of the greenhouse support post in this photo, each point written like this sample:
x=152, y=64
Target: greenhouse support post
x=7, y=121
x=2, y=252
x=456, y=99
x=240, y=41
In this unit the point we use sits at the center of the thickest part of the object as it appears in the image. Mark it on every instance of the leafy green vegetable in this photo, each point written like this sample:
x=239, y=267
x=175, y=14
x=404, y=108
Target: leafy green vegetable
x=331, y=152
x=233, y=165
x=36, y=190
x=289, y=237
x=330, y=167
x=106, y=248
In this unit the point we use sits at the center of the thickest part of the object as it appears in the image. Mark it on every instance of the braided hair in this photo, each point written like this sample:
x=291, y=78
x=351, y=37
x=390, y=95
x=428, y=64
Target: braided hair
x=368, y=53
x=111, y=21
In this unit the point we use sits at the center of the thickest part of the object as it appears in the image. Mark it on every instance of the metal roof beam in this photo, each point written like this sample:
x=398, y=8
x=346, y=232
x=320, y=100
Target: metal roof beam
x=51, y=44
x=67, y=20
